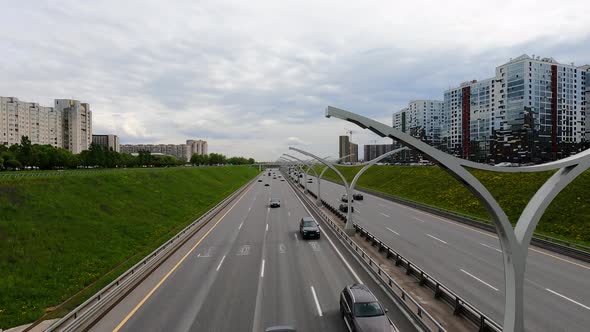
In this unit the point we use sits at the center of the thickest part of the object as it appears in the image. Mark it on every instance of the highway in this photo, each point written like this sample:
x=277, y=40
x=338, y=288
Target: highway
x=246, y=270
x=469, y=261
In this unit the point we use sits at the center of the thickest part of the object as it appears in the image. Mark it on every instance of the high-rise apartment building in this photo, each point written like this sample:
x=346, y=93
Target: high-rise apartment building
x=110, y=142
x=373, y=151
x=532, y=110
x=469, y=118
x=55, y=126
x=421, y=119
x=346, y=148
x=196, y=147
x=77, y=125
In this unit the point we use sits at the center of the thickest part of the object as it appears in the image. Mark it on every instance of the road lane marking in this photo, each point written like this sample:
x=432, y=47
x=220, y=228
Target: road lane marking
x=357, y=211
x=356, y=277
x=391, y=230
x=241, y=224
x=289, y=213
x=266, y=228
x=485, y=245
x=420, y=220
x=559, y=258
x=250, y=208
x=314, y=246
x=296, y=238
x=434, y=237
x=567, y=298
x=262, y=270
x=282, y=248
x=145, y=298
x=244, y=250
x=476, y=278
x=209, y=252
x=317, y=303
x=385, y=215
x=218, y=266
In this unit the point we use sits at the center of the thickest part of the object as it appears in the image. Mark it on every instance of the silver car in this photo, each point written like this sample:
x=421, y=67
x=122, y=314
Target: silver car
x=362, y=312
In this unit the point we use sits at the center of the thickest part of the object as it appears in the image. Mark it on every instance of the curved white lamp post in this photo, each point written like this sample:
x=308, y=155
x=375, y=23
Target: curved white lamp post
x=514, y=242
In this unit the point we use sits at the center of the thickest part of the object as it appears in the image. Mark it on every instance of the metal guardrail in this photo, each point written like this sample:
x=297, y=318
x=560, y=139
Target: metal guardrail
x=460, y=306
x=441, y=292
x=84, y=316
x=564, y=247
x=405, y=298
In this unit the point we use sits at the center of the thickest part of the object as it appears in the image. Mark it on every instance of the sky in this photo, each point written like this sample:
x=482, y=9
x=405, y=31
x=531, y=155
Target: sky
x=255, y=77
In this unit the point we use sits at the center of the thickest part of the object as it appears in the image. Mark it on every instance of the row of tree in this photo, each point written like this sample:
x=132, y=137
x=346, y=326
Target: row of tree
x=26, y=155
x=219, y=159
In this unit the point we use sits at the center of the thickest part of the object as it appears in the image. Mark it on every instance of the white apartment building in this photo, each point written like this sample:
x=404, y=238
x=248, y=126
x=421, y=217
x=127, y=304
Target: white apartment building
x=68, y=125
x=77, y=124
x=469, y=118
x=181, y=151
x=422, y=119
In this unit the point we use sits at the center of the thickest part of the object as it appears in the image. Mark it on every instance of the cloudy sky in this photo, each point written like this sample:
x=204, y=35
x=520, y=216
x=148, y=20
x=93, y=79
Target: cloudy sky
x=253, y=77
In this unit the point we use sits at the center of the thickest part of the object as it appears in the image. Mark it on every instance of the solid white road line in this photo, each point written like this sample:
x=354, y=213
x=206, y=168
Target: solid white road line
x=391, y=230
x=567, y=298
x=296, y=238
x=476, y=278
x=434, y=237
x=485, y=245
x=218, y=266
x=262, y=270
x=317, y=303
x=241, y=224
x=385, y=215
x=266, y=228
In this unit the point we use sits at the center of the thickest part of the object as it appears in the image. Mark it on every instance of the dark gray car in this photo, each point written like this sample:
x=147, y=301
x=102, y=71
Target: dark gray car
x=309, y=228
x=362, y=312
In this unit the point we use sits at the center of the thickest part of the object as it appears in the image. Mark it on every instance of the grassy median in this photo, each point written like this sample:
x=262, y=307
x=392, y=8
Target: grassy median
x=568, y=217
x=59, y=235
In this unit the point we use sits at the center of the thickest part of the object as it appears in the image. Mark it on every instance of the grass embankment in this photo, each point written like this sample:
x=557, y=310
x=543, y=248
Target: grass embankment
x=568, y=216
x=59, y=235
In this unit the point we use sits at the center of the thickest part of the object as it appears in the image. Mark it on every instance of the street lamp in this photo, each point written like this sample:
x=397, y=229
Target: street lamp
x=514, y=241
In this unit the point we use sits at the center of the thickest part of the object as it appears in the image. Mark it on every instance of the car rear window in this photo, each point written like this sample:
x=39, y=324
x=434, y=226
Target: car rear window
x=308, y=223
x=368, y=309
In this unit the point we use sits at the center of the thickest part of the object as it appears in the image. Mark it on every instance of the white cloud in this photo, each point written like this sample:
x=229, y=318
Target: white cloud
x=253, y=77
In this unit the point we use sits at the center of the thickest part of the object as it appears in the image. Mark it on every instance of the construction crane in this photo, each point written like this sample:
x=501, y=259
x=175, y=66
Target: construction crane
x=349, y=132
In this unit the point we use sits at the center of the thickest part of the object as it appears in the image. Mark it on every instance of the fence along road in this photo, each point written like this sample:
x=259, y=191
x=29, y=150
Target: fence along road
x=247, y=270
x=468, y=260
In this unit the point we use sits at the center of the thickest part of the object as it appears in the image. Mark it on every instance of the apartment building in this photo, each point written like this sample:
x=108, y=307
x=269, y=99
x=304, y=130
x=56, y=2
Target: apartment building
x=346, y=148
x=469, y=119
x=181, y=151
x=110, y=142
x=56, y=126
x=532, y=110
x=373, y=151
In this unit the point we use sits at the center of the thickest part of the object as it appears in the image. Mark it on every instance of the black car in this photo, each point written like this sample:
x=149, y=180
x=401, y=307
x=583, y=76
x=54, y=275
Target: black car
x=357, y=196
x=266, y=184
x=274, y=202
x=344, y=208
x=308, y=227
x=345, y=198
x=362, y=311
x=282, y=179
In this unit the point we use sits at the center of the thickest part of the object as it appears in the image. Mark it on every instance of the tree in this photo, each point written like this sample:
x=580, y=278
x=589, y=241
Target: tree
x=24, y=153
x=216, y=159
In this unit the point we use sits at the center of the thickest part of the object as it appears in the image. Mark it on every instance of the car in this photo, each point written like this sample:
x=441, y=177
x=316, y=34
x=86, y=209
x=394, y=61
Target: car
x=274, y=202
x=282, y=179
x=274, y=177
x=345, y=198
x=266, y=185
x=268, y=173
x=259, y=180
x=357, y=196
x=308, y=227
x=310, y=181
x=344, y=208
x=300, y=175
x=361, y=310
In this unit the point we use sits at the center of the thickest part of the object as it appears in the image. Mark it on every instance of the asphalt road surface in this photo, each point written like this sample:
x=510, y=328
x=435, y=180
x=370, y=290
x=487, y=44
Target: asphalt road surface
x=249, y=269
x=469, y=261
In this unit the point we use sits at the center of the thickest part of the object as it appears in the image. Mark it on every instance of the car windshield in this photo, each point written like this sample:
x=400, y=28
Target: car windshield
x=368, y=309
x=308, y=223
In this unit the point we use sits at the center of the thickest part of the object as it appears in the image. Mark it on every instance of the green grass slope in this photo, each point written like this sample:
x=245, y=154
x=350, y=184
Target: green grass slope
x=568, y=216
x=60, y=234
